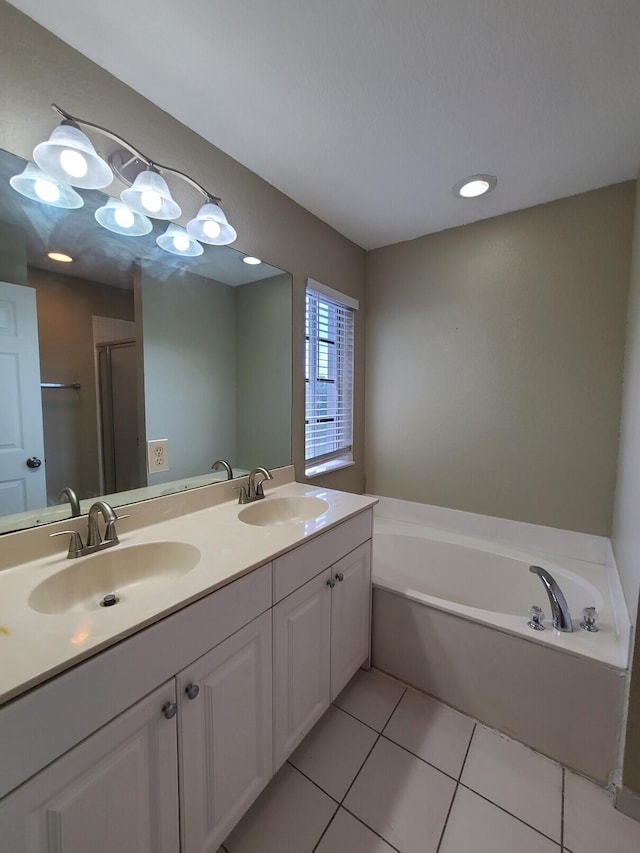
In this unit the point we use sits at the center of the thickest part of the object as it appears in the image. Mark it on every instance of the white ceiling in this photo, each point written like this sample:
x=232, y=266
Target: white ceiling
x=367, y=112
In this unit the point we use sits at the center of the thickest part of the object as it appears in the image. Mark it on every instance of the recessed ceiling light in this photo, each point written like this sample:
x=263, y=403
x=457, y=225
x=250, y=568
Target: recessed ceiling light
x=250, y=260
x=474, y=186
x=60, y=256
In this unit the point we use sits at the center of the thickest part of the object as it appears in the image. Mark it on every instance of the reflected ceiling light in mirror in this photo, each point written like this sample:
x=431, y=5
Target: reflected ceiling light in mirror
x=60, y=257
x=251, y=261
x=211, y=226
x=69, y=156
x=35, y=184
x=151, y=196
x=117, y=217
x=475, y=186
x=179, y=242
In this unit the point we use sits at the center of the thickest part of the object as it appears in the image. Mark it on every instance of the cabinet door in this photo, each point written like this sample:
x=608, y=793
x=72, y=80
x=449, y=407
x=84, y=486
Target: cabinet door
x=117, y=790
x=225, y=734
x=350, y=616
x=301, y=633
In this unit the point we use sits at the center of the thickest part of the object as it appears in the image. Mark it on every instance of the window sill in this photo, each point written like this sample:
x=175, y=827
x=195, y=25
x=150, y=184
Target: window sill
x=326, y=467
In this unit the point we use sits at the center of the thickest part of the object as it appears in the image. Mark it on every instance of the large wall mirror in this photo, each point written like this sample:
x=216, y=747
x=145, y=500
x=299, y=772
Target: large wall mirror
x=124, y=345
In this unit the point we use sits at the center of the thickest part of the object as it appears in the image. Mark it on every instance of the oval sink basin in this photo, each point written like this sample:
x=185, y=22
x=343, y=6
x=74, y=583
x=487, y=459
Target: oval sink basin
x=128, y=571
x=283, y=511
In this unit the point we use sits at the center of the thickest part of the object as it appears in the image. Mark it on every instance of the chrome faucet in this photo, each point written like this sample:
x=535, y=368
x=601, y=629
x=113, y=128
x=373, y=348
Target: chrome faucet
x=72, y=497
x=95, y=541
x=559, y=607
x=221, y=463
x=253, y=491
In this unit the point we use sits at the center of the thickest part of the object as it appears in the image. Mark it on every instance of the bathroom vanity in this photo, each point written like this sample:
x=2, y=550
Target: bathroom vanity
x=159, y=735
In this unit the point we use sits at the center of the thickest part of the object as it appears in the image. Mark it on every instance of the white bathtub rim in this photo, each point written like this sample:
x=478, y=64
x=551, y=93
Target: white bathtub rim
x=549, y=541
x=610, y=645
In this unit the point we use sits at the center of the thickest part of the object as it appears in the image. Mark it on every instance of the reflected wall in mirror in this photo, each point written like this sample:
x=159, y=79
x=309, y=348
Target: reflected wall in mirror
x=126, y=344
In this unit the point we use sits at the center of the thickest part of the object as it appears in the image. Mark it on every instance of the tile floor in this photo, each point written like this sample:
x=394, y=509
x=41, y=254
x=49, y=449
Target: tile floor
x=389, y=769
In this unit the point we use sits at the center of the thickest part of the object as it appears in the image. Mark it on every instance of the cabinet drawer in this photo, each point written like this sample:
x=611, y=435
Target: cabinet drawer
x=58, y=715
x=294, y=569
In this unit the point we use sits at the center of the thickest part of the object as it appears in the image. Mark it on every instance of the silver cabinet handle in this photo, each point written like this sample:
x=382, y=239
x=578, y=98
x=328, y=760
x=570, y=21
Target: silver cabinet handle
x=340, y=577
x=192, y=691
x=169, y=710
x=331, y=583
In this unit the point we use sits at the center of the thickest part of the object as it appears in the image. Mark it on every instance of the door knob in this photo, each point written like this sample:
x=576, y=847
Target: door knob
x=34, y=462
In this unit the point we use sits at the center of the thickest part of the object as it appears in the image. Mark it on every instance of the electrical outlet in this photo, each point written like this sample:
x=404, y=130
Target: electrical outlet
x=158, y=455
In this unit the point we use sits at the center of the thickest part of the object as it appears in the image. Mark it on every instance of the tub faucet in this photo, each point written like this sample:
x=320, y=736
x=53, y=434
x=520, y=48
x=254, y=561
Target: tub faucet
x=559, y=607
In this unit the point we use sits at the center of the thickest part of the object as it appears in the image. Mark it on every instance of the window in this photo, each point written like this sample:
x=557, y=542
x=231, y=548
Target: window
x=329, y=378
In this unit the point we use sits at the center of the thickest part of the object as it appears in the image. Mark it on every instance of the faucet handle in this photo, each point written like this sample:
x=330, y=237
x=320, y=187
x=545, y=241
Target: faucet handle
x=590, y=620
x=75, y=543
x=110, y=534
x=242, y=497
x=536, y=618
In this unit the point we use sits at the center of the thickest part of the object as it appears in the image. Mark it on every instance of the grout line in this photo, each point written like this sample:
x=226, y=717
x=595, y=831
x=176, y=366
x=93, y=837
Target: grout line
x=353, y=781
x=455, y=791
x=502, y=809
x=562, y=811
x=393, y=710
x=420, y=758
x=353, y=716
x=309, y=779
x=377, y=834
x=324, y=831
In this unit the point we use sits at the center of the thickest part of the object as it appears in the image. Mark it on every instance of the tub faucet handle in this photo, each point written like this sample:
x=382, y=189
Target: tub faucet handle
x=590, y=620
x=536, y=618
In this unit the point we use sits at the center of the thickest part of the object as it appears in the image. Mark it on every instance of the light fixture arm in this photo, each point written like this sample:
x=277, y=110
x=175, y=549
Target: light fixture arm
x=151, y=164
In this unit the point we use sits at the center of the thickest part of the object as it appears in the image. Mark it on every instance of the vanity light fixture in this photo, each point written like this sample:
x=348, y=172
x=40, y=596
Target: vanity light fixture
x=475, y=186
x=117, y=217
x=150, y=196
x=179, y=242
x=33, y=183
x=60, y=257
x=252, y=261
x=211, y=226
x=69, y=157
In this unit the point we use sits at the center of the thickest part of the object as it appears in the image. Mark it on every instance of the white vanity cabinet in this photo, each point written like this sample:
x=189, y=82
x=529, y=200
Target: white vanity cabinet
x=321, y=630
x=117, y=790
x=162, y=741
x=174, y=771
x=225, y=735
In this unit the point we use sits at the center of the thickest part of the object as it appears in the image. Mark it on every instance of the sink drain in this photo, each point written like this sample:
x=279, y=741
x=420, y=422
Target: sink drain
x=109, y=600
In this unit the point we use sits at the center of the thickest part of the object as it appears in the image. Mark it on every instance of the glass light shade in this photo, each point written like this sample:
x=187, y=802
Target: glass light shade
x=69, y=156
x=202, y=227
x=41, y=187
x=116, y=216
x=177, y=241
x=151, y=196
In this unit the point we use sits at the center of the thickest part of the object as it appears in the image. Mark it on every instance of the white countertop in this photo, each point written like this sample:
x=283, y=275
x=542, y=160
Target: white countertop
x=34, y=646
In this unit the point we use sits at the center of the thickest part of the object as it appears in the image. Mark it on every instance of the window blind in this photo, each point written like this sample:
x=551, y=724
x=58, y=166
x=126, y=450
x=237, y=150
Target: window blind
x=329, y=378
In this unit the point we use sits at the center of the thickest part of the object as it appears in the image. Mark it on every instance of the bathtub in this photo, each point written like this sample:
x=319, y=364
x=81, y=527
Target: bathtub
x=450, y=615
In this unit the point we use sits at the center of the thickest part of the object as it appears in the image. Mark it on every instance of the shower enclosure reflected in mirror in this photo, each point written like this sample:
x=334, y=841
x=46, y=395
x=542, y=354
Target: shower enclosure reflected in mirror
x=126, y=344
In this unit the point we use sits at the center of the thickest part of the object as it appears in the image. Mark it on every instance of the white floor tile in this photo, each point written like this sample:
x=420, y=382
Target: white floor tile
x=334, y=751
x=476, y=825
x=520, y=780
x=432, y=731
x=290, y=814
x=592, y=824
x=371, y=697
x=403, y=799
x=348, y=835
